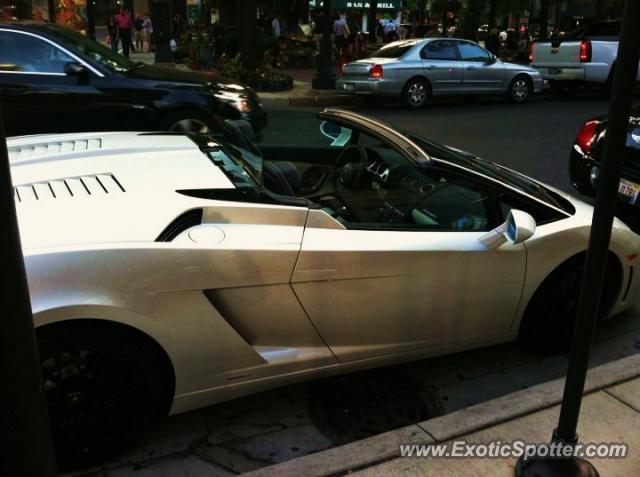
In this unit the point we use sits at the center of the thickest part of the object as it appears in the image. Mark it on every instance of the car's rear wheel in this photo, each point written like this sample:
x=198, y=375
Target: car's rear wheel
x=186, y=121
x=520, y=89
x=416, y=93
x=548, y=322
x=103, y=387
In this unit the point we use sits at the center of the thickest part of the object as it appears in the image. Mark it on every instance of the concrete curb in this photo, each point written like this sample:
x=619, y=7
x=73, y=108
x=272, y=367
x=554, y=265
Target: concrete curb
x=310, y=100
x=377, y=449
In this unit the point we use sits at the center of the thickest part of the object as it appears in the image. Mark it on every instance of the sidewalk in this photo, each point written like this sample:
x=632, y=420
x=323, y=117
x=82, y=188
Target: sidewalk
x=610, y=413
x=302, y=95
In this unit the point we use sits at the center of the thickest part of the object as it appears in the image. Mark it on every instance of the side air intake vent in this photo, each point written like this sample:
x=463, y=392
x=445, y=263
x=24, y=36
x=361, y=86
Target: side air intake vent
x=189, y=219
x=54, y=148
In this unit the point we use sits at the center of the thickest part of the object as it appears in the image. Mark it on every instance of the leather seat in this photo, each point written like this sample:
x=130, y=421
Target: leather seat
x=281, y=177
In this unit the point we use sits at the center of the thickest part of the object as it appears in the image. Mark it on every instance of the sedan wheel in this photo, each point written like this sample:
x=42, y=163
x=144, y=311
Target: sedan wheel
x=416, y=93
x=520, y=90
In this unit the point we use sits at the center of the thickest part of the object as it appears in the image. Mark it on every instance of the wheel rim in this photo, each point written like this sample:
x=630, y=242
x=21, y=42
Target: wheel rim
x=190, y=125
x=520, y=90
x=91, y=396
x=416, y=93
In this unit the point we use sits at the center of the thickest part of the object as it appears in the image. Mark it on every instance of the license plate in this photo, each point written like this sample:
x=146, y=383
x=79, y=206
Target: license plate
x=553, y=71
x=348, y=87
x=628, y=191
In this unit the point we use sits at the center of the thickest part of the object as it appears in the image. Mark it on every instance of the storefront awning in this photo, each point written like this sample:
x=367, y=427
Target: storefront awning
x=349, y=4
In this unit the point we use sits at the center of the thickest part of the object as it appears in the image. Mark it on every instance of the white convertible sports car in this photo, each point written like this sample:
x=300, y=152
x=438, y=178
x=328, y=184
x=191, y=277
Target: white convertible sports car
x=169, y=272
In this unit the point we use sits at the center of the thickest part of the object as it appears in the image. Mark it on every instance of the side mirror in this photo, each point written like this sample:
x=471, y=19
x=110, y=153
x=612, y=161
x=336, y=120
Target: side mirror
x=76, y=69
x=518, y=227
x=492, y=59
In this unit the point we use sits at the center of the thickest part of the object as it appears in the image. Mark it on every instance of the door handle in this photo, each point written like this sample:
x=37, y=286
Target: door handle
x=471, y=67
x=432, y=67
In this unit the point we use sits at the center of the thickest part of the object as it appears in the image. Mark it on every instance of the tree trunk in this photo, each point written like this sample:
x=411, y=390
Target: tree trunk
x=247, y=33
x=493, y=10
x=373, y=23
x=544, y=19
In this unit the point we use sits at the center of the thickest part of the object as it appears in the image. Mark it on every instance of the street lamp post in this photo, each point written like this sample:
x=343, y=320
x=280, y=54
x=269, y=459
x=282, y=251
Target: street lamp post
x=25, y=440
x=325, y=77
x=617, y=126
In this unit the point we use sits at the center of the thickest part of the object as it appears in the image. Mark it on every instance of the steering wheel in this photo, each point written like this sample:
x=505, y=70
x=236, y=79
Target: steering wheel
x=353, y=162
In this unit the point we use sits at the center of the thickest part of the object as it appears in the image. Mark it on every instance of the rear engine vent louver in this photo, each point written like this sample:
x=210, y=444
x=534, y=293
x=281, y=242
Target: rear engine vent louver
x=189, y=219
x=81, y=186
x=54, y=148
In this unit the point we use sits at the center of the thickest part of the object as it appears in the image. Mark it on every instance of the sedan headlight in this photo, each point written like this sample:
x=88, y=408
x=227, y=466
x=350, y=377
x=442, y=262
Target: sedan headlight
x=239, y=102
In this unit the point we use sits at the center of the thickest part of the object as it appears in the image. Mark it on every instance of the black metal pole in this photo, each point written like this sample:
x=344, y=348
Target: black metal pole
x=493, y=10
x=617, y=126
x=25, y=440
x=325, y=78
x=544, y=19
x=161, y=17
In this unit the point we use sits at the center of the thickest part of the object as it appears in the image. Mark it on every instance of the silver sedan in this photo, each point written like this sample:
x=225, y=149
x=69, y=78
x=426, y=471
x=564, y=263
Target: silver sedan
x=418, y=69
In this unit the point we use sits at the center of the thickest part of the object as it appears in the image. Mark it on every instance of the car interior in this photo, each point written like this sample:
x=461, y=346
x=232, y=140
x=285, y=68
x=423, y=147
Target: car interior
x=366, y=182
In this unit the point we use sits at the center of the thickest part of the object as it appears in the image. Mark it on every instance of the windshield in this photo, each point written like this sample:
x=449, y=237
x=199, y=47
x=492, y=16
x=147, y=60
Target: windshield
x=238, y=157
x=90, y=47
x=394, y=50
x=492, y=170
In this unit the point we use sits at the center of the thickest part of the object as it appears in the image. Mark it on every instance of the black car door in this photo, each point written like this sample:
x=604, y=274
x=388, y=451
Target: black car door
x=41, y=94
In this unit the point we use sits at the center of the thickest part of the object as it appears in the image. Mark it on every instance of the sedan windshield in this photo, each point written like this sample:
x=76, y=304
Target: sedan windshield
x=89, y=47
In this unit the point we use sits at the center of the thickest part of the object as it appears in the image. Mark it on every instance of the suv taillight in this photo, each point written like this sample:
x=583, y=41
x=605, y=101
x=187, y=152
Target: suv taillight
x=585, y=51
x=587, y=134
x=532, y=47
x=375, y=71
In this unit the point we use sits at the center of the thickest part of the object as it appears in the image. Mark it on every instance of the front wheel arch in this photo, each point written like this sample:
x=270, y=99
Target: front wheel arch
x=75, y=334
x=533, y=330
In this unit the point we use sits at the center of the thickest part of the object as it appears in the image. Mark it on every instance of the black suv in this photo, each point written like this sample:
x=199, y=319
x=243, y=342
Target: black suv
x=55, y=80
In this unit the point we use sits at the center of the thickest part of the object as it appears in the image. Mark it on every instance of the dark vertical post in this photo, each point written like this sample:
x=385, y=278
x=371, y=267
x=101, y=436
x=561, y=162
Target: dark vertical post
x=493, y=11
x=421, y=12
x=372, y=21
x=25, y=444
x=624, y=78
x=445, y=19
x=91, y=18
x=161, y=17
x=248, y=36
x=325, y=77
x=617, y=127
x=544, y=19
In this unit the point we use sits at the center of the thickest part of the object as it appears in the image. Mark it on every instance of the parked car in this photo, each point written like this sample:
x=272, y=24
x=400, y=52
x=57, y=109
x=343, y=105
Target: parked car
x=586, y=159
x=55, y=80
x=416, y=70
x=169, y=272
x=584, y=58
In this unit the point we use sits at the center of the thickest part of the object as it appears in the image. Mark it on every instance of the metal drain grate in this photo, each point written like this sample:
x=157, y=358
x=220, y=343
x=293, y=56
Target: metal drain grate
x=360, y=405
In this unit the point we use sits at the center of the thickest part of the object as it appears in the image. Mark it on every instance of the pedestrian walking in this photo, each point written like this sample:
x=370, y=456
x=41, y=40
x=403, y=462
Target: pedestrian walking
x=341, y=32
x=112, y=31
x=125, y=28
x=147, y=30
x=275, y=27
x=139, y=34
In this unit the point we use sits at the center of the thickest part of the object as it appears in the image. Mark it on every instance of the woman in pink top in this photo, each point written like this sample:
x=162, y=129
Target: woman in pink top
x=125, y=27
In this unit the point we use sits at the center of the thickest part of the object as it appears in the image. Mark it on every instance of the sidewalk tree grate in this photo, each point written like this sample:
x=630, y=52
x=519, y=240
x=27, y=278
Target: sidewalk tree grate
x=355, y=406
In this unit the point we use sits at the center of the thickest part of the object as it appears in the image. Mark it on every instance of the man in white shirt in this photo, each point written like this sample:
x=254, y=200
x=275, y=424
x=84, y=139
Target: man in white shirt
x=275, y=27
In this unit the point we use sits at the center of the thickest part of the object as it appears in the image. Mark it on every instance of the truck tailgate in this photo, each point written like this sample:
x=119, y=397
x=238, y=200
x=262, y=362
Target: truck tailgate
x=556, y=54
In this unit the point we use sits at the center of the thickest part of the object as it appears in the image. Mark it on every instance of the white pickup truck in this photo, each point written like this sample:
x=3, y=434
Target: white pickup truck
x=586, y=57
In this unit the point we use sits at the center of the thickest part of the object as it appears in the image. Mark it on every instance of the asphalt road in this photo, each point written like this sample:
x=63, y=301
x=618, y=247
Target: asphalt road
x=533, y=138
x=285, y=423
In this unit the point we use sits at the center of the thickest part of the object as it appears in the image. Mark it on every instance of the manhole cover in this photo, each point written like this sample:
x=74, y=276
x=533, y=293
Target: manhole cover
x=356, y=406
